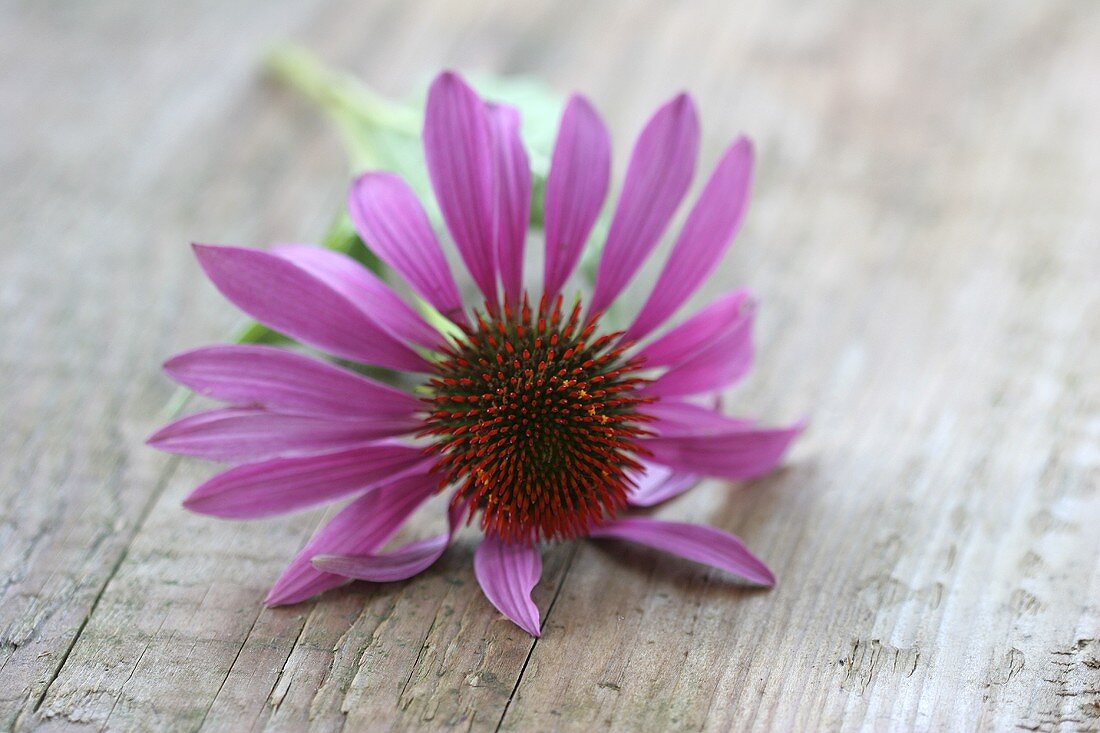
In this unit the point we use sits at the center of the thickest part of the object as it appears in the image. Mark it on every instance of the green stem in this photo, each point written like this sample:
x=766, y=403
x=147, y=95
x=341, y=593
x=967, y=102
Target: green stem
x=337, y=93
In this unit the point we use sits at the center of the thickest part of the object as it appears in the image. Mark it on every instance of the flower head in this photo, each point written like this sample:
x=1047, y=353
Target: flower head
x=539, y=420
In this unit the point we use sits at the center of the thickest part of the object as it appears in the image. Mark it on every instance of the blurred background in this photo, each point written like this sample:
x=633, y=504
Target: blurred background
x=924, y=239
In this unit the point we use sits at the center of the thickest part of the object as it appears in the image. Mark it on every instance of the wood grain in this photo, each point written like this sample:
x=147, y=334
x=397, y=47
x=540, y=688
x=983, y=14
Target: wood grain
x=925, y=241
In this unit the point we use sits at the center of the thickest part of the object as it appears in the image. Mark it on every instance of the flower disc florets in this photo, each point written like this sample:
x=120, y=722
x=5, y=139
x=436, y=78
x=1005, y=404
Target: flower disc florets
x=537, y=422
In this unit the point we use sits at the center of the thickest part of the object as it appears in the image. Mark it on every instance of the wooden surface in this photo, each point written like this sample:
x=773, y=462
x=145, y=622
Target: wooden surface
x=925, y=240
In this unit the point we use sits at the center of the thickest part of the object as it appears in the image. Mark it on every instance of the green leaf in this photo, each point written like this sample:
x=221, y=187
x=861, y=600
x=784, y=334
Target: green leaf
x=383, y=134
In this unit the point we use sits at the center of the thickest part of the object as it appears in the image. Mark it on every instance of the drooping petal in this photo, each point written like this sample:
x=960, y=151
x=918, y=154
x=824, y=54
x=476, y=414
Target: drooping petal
x=361, y=527
x=282, y=380
x=696, y=542
x=404, y=562
x=674, y=417
x=658, y=484
x=512, y=197
x=363, y=289
x=507, y=573
x=458, y=151
x=724, y=361
x=707, y=233
x=390, y=219
x=291, y=300
x=696, y=332
x=737, y=454
x=410, y=560
x=282, y=485
x=575, y=189
x=657, y=178
x=250, y=434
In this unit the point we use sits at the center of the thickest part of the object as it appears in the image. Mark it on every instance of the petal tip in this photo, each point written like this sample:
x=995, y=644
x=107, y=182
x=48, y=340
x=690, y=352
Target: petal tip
x=683, y=103
x=577, y=99
x=368, y=177
x=449, y=79
x=171, y=364
x=358, y=181
x=212, y=256
x=198, y=503
x=322, y=562
x=530, y=622
x=765, y=578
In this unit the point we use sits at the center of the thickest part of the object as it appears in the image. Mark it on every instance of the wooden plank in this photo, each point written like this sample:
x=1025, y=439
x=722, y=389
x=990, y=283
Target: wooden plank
x=925, y=245
x=109, y=151
x=923, y=238
x=177, y=604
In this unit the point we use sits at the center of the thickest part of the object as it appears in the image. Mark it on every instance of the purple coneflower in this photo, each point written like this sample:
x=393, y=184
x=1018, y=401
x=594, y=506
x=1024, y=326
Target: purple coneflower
x=541, y=423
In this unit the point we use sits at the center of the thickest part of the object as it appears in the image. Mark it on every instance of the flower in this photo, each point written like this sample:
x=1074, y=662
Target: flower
x=541, y=422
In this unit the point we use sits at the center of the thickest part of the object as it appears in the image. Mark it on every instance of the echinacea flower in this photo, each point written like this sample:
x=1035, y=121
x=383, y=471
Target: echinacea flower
x=541, y=422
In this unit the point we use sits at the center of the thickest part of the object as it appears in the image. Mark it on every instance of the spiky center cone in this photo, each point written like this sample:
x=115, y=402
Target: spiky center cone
x=536, y=420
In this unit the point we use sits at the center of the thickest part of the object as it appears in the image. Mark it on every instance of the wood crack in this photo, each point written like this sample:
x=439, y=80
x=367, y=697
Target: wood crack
x=146, y=510
x=531, y=651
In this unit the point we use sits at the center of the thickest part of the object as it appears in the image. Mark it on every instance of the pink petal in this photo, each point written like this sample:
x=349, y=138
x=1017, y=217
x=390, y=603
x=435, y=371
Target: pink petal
x=694, y=542
x=697, y=332
x=659, y=484
x=285, y=381
x=282, y=485
x=711, y=226
x=512, y=197
x=575, y=189
x=674, y=417
x=657, y=178
x=390, y=219
x=283, y=296
x=364, y=290
x=362, y=526
x=249, y=434
x=459, y=153
x=507, y=573
x=737, y=454
x=400, y=564
x=722, y=362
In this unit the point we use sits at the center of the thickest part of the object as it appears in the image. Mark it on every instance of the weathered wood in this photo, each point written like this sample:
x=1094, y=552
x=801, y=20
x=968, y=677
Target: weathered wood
x=925, y=243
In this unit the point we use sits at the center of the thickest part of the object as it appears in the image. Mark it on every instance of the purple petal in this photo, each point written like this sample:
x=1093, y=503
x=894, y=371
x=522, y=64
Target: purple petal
x=512, y=199
x=575, y=189
x=285, y=381
x=657, y=178
x=249, y=434
x=282, y=485
x=659, y=484
x=362, y=526
x=697, y=332
x=737, y=454
x=410, y=560
x=364, y=290
x=390, y=219
x=507, y=573
x=403, y=563
x=458, y=150
x=706, y=235
x=696, y=542
x=674, y=417
x=283, y=296
x=724, y=361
